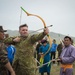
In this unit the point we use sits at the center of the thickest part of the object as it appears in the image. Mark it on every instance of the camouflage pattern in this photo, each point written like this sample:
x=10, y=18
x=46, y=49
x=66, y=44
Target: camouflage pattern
x=3, y=59
x=24, y=63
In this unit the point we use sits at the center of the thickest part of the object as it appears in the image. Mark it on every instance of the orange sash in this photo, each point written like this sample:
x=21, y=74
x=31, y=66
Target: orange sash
x=66, y=66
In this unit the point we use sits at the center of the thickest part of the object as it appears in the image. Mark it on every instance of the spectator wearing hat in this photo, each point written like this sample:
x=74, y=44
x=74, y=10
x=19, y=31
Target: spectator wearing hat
x=4, y=63
x=42, y=50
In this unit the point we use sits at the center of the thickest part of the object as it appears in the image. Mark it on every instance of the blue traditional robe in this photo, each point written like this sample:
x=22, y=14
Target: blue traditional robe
x=43, y=49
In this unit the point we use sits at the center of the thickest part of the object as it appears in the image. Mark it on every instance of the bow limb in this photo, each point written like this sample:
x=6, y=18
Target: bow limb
x=28, y=14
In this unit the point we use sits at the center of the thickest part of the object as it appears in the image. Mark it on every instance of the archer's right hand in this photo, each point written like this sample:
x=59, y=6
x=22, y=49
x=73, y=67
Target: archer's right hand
x=17, y=39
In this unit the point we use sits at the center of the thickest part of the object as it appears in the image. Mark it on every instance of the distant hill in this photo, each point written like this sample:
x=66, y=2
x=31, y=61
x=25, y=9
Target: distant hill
x=53, y=35
x=12, y=32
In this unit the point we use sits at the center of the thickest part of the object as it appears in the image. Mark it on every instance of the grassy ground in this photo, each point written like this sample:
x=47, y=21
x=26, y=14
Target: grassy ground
x=55, y=69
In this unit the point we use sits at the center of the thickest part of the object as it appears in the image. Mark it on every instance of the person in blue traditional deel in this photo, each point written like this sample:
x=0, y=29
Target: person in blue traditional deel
x=42, y=50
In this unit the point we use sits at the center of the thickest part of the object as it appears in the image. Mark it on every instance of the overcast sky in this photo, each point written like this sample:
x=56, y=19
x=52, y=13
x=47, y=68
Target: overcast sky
x=59, y=13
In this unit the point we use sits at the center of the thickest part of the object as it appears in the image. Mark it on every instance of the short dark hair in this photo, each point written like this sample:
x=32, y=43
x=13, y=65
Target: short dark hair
x=54, y=40
x=68, y=37
x=43, y=41
x=23, y=25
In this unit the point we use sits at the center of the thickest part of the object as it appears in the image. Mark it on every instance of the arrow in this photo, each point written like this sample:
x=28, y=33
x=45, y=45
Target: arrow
x=40, y=29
